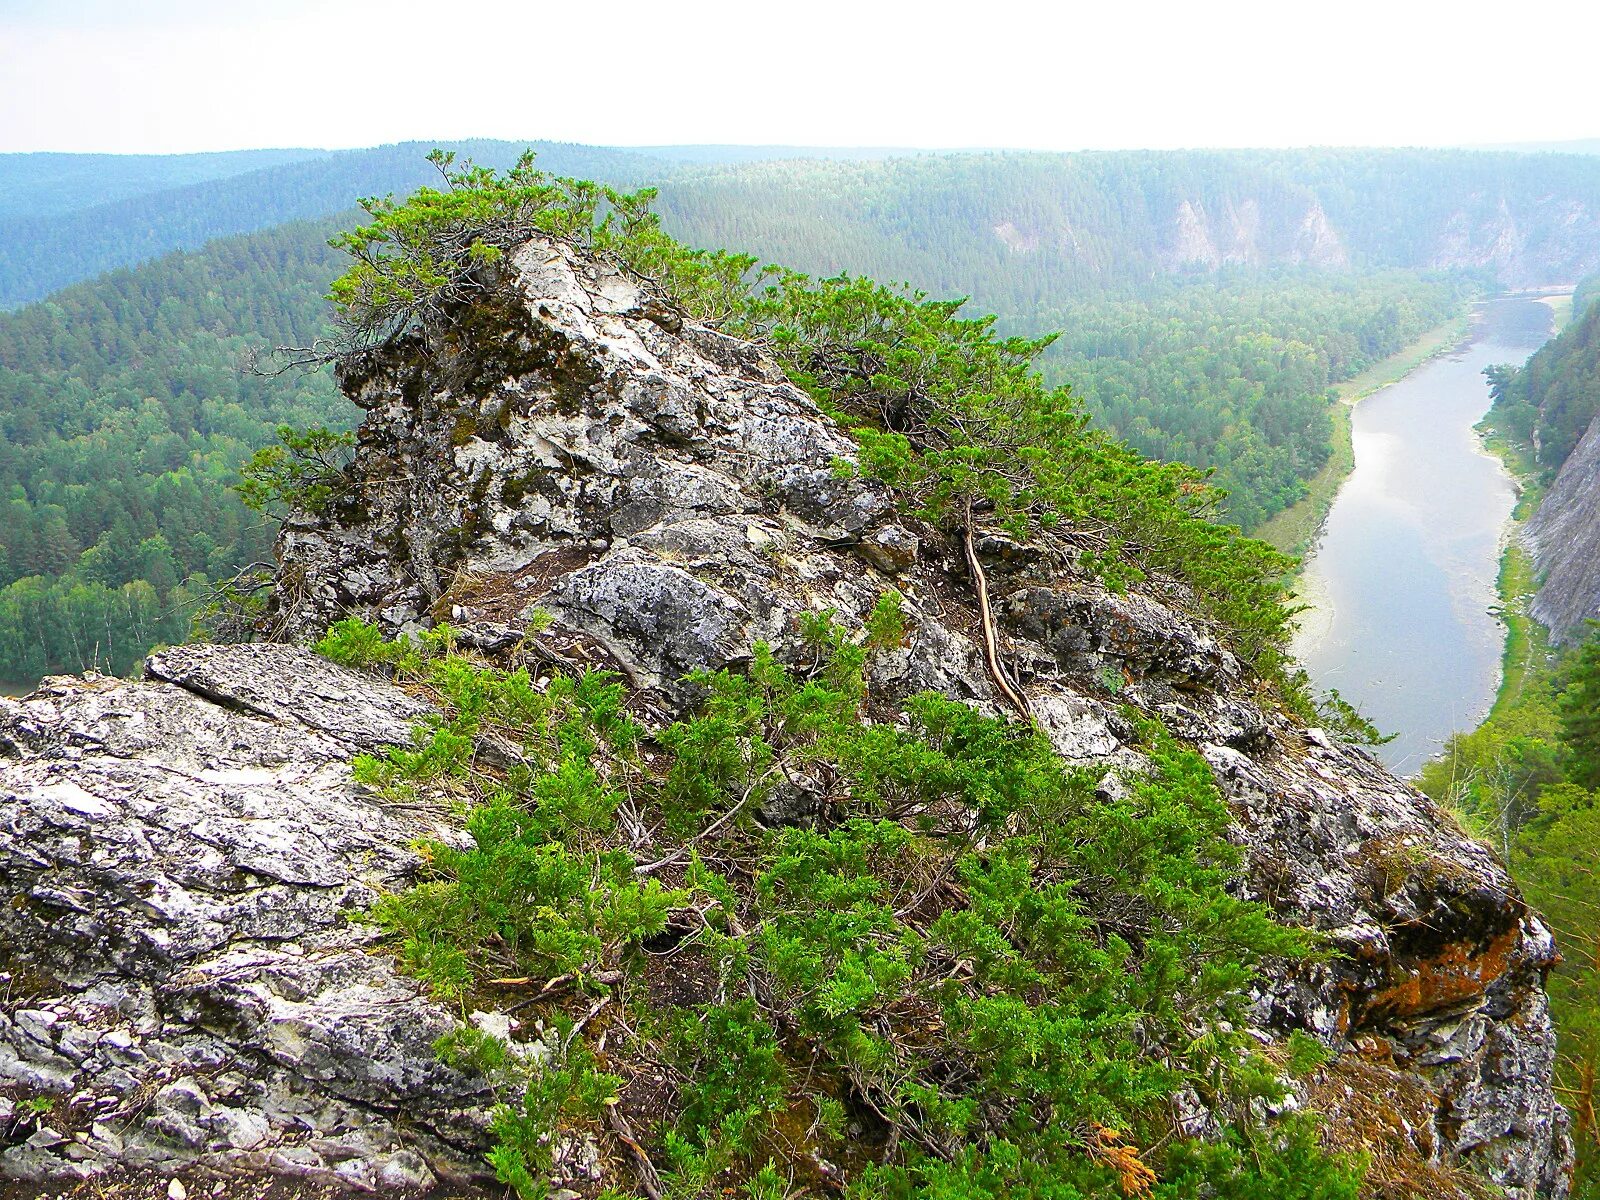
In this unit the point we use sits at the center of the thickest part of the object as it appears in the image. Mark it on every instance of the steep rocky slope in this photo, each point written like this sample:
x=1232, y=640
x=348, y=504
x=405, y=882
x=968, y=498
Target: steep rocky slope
x=580, y=477
x=1565, y=536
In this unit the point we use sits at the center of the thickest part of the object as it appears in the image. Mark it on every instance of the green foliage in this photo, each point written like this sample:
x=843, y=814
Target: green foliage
x=353, y=642
x=1286, y=1165
x=955, y=417
x=966, y=959
x=886, y=623
x=735, y=1071
x=1234, y=375
x=1579, y=709
x=520, y=893
x=81, y=625
x=1345, y=721
x=302, y=471
x=552, y=1086
x=421, y=257
x=1306, y=1054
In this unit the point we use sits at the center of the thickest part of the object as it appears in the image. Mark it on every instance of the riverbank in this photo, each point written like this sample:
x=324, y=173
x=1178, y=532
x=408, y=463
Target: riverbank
x=1527, y=652
x=1294, y=529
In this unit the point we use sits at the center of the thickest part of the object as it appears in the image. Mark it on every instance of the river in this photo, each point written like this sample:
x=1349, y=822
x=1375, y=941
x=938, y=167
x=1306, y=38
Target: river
x=1401, y=579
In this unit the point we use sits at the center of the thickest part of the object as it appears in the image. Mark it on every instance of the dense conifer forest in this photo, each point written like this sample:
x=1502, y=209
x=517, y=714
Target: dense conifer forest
x=125, y=411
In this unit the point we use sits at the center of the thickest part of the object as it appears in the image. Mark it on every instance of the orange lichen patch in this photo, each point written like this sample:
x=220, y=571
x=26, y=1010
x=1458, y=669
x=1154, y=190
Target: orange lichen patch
x=1387, y=1116
x=1134, y=1178
x=1460, y=971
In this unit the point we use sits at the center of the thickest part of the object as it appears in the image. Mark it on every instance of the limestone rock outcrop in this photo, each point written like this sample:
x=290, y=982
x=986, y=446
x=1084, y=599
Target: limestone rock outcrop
x=581, y=472
x=184, y=864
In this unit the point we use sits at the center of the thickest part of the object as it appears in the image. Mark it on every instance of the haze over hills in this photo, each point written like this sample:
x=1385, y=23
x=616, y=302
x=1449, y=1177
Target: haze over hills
x=1060, y=223
x=1573, y=146
x=41, y=254
x=1044, y=225
x=42, y=185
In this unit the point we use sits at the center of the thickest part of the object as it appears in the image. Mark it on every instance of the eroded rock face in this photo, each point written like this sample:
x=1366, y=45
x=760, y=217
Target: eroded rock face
x=577, y=467
x=183, y=867
x=1565, y=536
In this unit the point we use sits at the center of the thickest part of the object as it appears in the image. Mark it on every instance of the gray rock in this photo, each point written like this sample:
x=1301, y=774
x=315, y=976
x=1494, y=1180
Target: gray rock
x=1564, y=535
x=182, y=871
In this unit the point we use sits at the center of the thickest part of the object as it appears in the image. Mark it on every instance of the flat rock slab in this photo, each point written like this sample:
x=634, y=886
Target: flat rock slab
x=183, y=867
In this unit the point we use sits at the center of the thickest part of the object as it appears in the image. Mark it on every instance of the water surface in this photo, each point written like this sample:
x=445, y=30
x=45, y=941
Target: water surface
x=1402, y=578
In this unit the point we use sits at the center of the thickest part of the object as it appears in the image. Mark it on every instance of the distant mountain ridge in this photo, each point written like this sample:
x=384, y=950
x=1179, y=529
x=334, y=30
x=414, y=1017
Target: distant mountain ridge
x=48, y=184
x=40, y=255
x=1050, y=224
x=1054, y=222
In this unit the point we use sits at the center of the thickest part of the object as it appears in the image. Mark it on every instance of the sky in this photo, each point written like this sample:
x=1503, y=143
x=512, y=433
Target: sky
x=165, y=76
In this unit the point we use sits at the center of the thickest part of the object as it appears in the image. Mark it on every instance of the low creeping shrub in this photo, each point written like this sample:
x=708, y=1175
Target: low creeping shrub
x=969, y=972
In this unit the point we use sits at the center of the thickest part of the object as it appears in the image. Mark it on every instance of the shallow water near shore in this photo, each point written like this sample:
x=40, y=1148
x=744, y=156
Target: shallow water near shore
x=1401, y=579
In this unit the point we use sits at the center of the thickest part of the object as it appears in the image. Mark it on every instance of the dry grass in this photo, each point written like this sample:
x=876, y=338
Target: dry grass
x=1372, y=1109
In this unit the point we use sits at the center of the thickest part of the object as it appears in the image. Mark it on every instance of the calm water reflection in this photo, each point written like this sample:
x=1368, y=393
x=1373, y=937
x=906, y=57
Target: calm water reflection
x=1402, y=580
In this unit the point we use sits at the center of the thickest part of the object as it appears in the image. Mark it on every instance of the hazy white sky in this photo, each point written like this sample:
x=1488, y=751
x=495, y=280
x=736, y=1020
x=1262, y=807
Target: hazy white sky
x=177, y=75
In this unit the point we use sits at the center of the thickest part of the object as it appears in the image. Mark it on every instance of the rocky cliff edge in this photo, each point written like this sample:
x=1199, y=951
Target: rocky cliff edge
x=184, y=861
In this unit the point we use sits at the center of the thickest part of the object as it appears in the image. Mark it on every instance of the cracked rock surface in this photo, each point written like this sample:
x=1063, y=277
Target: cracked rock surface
x=183, y=864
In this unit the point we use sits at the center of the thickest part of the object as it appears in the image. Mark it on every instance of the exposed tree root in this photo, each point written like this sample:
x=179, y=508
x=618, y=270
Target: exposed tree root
x=991, y=642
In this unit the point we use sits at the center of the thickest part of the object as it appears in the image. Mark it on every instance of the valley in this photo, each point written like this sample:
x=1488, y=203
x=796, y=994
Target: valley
x=832, y=602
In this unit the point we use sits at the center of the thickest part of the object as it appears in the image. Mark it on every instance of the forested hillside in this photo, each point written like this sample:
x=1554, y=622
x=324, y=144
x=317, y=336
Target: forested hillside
x=1547, y=404
x=45, y=185
x=1034, y=228
x=1235, y=373
x=1018, y=231
x=125, y=411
